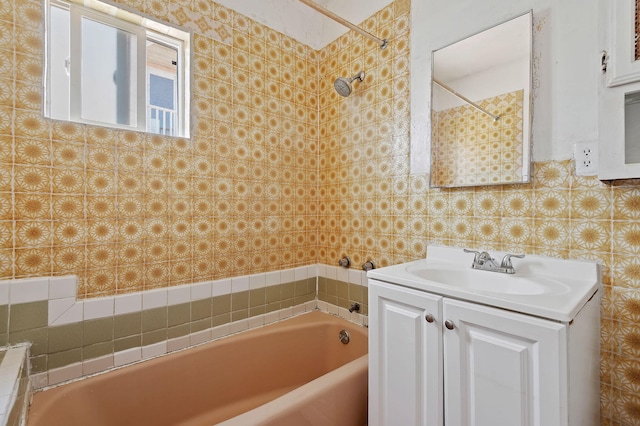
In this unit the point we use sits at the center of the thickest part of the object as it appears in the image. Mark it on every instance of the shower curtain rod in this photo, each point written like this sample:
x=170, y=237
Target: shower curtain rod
x=382, y=42
x=473, y=104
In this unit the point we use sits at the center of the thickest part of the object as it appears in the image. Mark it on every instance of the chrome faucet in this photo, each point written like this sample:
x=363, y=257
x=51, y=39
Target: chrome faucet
x=484, y=262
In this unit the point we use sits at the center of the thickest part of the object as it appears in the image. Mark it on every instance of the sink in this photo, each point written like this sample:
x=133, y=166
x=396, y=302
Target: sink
x=491, y=282
x=546, y=287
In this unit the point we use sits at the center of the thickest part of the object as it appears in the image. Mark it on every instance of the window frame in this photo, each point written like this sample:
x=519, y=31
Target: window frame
x=144, y=29
x=180, y=80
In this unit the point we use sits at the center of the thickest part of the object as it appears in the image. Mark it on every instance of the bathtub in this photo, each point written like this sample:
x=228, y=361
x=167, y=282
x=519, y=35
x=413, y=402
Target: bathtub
x=294, y=372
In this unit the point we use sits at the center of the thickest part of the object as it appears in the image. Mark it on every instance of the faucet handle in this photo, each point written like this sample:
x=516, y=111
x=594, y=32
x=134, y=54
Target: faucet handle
x=476, y=255
x=506, y=260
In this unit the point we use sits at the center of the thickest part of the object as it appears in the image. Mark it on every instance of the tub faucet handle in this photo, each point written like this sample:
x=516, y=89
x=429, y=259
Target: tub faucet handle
x=368, y=265
x=345, y=262
x=354, y=307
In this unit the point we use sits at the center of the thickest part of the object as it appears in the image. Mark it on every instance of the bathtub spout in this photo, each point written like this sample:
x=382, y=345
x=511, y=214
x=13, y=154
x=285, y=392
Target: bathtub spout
x=354, y=307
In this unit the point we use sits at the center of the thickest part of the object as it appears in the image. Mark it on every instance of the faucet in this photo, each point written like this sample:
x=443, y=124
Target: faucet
x=484, y=262
x=354, y=307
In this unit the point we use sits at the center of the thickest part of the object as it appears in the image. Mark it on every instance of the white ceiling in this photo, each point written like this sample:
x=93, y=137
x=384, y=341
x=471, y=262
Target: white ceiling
x=302, y=23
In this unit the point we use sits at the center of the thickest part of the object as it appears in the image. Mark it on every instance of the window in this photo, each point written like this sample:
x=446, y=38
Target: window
x=107, y=66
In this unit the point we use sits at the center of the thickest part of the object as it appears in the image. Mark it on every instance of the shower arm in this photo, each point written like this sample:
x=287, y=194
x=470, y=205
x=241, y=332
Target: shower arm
x=382, y=42
x=470, y=102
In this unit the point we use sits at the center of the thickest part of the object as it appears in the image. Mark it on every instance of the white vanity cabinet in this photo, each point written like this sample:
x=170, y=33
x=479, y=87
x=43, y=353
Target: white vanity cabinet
x=437, y=360
x=405, y=356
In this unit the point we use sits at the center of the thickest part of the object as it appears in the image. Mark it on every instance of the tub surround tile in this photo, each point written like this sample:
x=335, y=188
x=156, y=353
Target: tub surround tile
x=287, y=276
x=38, y=364
x=97, y=350
x=178, y=295
x=199, y=337
x=221, y=304
x=201, y=291
x=178, y=314
x=63, y=359
x=26, y=316
x=96, y=365
x=127, y=324
x=128, y=356
x=240, y=284
x=178, y=331
x=239, y=301
x=65, y=337
x=221, y=319
x=154, y=350
x=154, y=319
x=72, y=315
x=272, y=278
x=238, y=326
x=63, y=374
x=154, y=298
x=98, y=308
x=98, y=331
x=28, y=290
x=178, y=343
x=113, y=331
x=37, y=337
x=155, y=337
x=126, y=343
x=201, y=309
x=221, y=287
x=127, y=303
x=57, y=307
x=4, y=292
x=39, y=380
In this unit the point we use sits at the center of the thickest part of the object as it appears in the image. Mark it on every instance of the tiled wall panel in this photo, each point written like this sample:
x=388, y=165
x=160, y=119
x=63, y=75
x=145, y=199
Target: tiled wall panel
x=127, y=211
x=372, y=208
x=280, y=172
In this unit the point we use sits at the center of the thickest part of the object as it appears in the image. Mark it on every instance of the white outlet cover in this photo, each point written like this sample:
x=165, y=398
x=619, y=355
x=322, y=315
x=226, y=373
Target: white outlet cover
x=585, y=155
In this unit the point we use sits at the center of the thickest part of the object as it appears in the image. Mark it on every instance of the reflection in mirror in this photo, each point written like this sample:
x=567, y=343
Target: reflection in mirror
x=480, y=114
x=632, y=128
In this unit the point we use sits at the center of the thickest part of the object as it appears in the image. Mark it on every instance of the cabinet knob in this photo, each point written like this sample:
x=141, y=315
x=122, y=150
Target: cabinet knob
x=429, y=318
x=449, y=324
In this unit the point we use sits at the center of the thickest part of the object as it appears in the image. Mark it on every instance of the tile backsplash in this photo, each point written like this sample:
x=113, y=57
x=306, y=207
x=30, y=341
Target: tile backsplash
x=281, y=172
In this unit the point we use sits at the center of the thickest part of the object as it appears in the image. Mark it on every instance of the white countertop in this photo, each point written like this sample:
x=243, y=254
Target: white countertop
x=562, y=287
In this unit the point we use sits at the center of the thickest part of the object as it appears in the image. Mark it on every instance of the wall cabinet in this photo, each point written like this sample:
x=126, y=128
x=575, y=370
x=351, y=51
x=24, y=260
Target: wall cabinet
x=619, y=92
x=436, y=360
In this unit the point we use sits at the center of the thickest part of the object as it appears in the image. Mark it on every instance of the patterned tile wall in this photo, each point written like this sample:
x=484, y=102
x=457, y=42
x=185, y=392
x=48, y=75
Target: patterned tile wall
x=127, y=211
x=471, y=148
x=372, y=208
x=261, y=186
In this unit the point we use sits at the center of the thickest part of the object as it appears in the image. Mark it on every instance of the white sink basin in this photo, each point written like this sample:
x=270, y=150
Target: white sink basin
x=491, y=282
x=546, y=287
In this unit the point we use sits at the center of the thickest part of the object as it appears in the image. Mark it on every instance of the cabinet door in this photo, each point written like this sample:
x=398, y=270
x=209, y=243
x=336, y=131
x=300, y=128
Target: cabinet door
x=503, y=368
x=405, y=356
x=618, y=96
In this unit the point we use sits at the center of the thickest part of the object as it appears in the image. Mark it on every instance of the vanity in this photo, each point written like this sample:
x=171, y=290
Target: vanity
x=452, y=345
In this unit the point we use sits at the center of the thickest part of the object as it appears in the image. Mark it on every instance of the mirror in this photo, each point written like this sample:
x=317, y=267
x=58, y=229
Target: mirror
x=481, y=108
x=631, y=128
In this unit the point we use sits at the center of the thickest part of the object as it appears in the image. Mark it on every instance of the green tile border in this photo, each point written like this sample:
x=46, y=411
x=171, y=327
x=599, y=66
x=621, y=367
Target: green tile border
x=58, y=346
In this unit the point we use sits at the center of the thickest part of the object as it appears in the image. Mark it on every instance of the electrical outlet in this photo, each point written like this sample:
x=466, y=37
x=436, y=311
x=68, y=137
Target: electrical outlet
x=585, y=155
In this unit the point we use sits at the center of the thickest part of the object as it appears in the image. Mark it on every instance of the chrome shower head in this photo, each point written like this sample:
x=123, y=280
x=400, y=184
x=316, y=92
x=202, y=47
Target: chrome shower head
x=343, y=85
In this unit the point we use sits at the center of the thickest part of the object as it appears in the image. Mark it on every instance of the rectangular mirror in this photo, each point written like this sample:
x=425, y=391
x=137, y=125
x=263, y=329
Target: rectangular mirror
x=481, y=108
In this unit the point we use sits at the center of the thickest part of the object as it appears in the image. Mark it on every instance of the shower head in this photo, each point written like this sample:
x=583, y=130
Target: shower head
x=343, y=85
